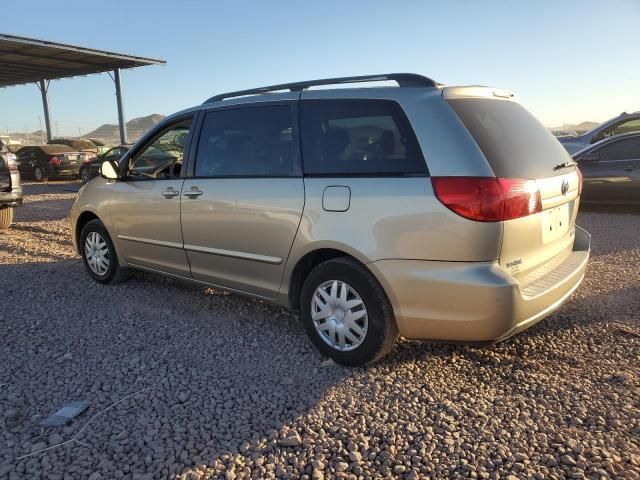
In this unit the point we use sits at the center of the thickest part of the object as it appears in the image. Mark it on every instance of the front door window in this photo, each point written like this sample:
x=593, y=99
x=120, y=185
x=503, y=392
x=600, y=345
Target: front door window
x=163, y=157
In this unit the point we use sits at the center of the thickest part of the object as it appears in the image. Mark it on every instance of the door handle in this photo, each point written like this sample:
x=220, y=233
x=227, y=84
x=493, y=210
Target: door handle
x=193, y=193
x=170, y=193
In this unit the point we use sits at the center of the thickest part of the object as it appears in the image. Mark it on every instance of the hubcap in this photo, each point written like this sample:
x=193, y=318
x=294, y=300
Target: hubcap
x=339, y=315
x=97, y=253
x=38, y=174
x=86, y=175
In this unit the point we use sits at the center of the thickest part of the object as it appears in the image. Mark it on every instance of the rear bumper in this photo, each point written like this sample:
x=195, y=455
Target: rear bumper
x=64, y=171
x=476, y=301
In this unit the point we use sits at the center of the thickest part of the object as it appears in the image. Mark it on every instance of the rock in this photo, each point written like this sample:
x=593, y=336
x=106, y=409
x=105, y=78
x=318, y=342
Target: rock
x=11, y=414
x=38, y=446
x=355, y=456
x=5, y=470
x=291, y=440
x=55, y=439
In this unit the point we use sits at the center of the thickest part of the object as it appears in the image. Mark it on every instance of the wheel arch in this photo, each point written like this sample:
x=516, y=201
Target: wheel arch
x=84, y=218
x=311, y=259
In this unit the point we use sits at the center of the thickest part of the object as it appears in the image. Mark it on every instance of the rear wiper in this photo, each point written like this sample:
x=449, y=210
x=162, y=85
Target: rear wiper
x=560, y=166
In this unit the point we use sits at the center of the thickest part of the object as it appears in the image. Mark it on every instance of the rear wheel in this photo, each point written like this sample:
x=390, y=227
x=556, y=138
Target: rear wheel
x=85, y=175
x=6, y=217
x=346, y=313
x=39, y=175
x=99, y=254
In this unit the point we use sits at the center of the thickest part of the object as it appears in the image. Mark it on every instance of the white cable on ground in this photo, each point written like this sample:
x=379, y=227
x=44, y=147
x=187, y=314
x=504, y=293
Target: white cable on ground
x=73, y=439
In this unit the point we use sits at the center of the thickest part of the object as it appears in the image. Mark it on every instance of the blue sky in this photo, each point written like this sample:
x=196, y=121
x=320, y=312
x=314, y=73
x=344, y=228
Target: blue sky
x=568, y=61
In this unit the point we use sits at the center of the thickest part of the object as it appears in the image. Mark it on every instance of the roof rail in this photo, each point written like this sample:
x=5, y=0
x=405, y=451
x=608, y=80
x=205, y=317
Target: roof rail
x=403, y=80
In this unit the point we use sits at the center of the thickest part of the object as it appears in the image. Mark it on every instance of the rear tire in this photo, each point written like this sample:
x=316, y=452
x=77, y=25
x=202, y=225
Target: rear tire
x=39, y=175
x=372, y=310
x=6, y=218
x=85, y=176
x=99, y=254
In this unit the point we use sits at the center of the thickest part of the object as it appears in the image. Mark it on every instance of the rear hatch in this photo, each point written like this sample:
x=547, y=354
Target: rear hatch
x=517, y=146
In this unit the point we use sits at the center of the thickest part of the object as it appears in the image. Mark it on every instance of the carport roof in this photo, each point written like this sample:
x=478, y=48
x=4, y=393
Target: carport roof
x=25, y=60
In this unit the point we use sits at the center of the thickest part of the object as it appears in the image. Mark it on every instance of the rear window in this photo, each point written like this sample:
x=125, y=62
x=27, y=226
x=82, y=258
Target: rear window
x=514, y=142
x=358, y=137
x=56, y=148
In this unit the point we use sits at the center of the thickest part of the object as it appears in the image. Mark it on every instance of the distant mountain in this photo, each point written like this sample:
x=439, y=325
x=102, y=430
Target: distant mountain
x=579, y=128
x=107, y=132
x=135, y=128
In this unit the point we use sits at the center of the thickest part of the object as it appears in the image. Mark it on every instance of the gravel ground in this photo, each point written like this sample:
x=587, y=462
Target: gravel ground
x=194, y=383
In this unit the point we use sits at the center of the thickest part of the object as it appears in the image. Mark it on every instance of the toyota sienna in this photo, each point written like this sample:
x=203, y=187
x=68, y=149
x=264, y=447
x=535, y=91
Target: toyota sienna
x=421, y=210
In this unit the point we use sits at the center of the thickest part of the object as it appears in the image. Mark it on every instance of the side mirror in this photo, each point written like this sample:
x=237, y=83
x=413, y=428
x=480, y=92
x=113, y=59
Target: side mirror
x=109, y=170
x=591, y=157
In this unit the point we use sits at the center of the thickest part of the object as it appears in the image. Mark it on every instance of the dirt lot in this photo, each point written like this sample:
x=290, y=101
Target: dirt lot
x=186, y=382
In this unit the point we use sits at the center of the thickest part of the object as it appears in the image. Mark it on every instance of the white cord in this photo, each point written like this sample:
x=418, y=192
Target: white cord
x=72, y=439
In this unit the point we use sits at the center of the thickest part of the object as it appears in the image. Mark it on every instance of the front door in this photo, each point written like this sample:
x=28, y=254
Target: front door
x=242, y=207
x=146, y=205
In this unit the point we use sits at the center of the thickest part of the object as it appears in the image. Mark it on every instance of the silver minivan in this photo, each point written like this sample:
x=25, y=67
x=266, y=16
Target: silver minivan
x=431, y=212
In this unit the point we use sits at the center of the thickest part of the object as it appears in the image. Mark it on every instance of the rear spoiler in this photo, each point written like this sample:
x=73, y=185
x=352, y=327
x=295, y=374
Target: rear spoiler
x=477, y=91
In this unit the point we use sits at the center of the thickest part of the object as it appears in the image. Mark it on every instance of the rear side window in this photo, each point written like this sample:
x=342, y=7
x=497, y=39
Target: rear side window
x=513, y=141
x=627, y=127
x=622, y=149
x=248, y=142
x=358, y=137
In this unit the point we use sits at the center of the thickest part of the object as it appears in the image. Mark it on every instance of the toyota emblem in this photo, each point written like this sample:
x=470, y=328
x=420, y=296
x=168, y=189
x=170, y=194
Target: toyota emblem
x=565, y=187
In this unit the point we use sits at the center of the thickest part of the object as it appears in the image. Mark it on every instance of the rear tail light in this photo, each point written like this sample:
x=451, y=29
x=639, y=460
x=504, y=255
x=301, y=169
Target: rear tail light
x=579, y=181
x=55, y=161
x=486, y=199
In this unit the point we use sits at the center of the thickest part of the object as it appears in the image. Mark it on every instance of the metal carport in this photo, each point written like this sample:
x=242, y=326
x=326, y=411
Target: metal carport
x=27, y=60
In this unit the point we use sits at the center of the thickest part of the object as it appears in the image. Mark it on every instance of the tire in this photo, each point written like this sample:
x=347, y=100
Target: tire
x=39, y=174
x=99, y=237
x=381, y=331
x=6, y=218
x=85, y=175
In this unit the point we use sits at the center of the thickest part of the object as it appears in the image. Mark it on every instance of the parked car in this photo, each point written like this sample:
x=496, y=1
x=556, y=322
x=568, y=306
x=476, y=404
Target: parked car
x=78, y=145
x=624, y=123
x=49, y=161
x=100, y=145
x=90, y=168
x=564, y=133
x=432, y=212
x=611, y=170
x=10, y=189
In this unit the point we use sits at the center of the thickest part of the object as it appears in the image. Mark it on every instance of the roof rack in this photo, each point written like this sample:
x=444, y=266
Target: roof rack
x=403, y=80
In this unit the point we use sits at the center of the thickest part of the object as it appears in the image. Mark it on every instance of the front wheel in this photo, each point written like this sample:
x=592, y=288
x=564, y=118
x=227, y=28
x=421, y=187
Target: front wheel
x=6, y=218
x=346, y=313
x=99, y=254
